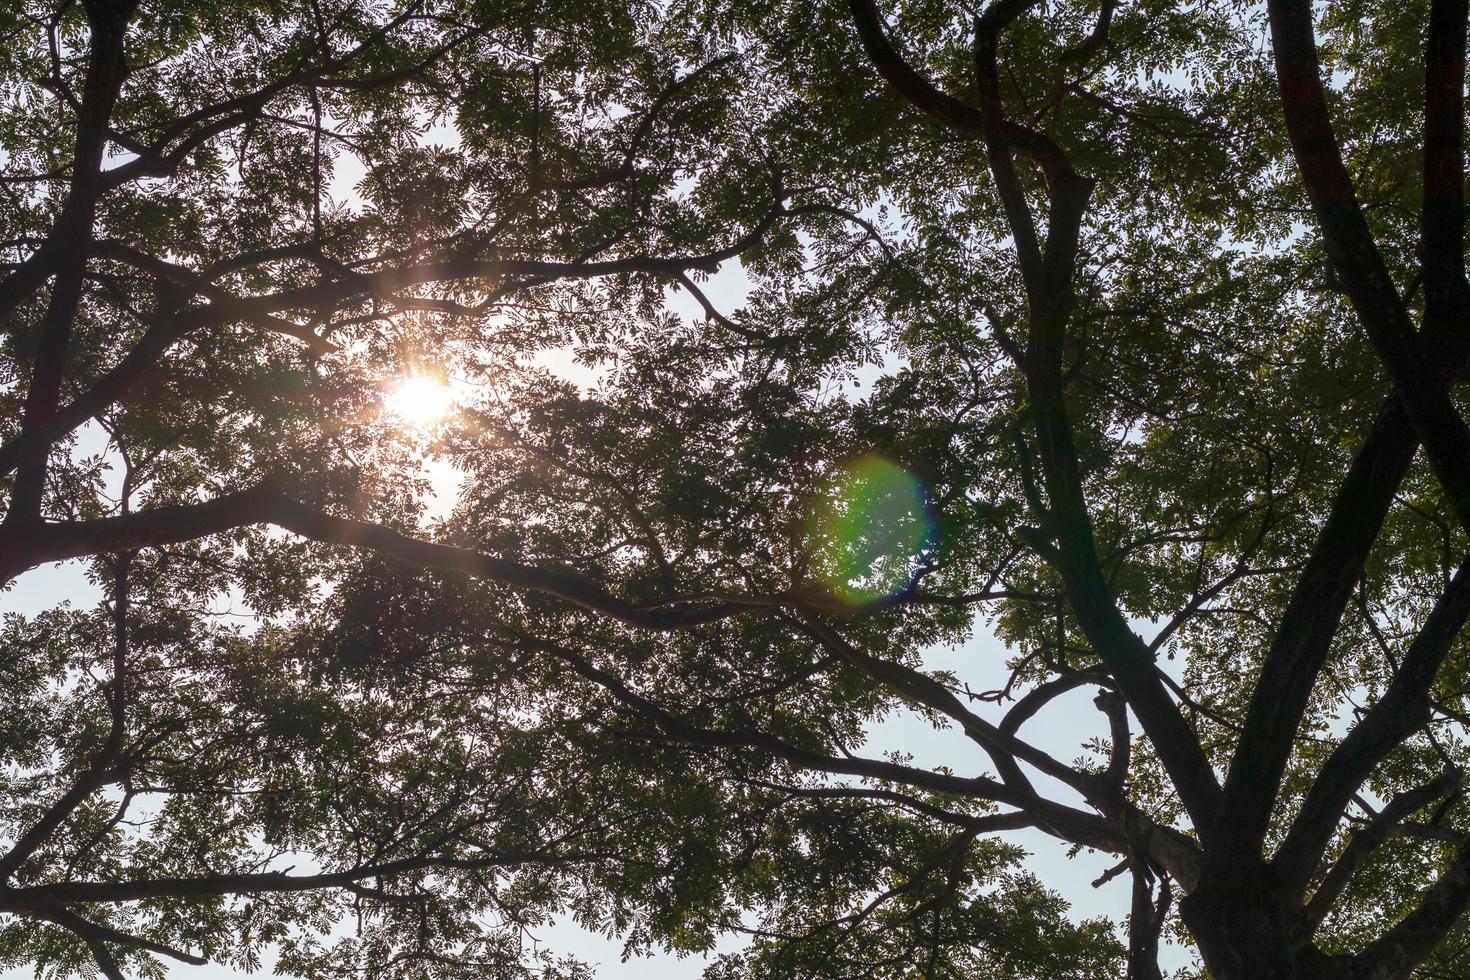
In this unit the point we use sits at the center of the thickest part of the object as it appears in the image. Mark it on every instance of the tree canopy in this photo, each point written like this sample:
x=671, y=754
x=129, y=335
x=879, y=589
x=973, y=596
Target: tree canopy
x=772, y=345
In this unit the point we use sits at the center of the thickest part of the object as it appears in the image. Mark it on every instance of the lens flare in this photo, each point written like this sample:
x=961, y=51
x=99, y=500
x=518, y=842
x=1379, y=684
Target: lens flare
x=870, y=526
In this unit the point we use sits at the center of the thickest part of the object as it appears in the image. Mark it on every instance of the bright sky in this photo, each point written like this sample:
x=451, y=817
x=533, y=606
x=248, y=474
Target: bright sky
x=1060, y=729
x=981, y=663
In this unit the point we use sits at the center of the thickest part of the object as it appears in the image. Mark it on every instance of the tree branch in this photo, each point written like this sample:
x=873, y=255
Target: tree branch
x=1145, y=923
x=1442, y=218
x=265, y=503
x=1364, y=841
x=1048, y=271
x=1403, y=707
x=1394, y=955
x=1004, y=748
x=1055, y=818
x=1303, y=638
x=106, y=69
x=35, y=899
x=96, y=935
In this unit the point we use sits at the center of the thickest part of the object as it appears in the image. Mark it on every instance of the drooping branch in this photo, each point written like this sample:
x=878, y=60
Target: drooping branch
x=989, y=823
x=266, y=503
x=1004, y=748
x=388, y=281
x=269, y=503
x=103, y=768
x=97, y=937
x=199, y=285
x=1061, y=820
x=25, y=899
x=1146, y=920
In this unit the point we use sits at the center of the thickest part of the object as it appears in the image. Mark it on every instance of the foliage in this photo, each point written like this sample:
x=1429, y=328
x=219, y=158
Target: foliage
x=789, y=342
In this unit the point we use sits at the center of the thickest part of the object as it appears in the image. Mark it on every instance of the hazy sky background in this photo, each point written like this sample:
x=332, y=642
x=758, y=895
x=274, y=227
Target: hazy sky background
x=1060, y=729
x=981, y=662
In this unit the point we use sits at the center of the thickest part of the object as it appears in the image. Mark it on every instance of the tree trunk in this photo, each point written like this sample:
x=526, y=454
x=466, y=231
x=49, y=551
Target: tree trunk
x=1241, y=936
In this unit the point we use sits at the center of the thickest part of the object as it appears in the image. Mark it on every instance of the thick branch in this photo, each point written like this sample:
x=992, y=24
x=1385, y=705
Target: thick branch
x=1394, y=955
x=1403, y=707
x=1417, y=375
x=1126, y=656
x=1043, y=694
x=1300, y=648
x=1048, y=271
x=106, y=69
x=1443, y=216
x=265, y=504
x=1110, y=704
x=943, y=108
x=1002, y=167
x=1145, y=924
x=1368, y=838
x=1303, y=638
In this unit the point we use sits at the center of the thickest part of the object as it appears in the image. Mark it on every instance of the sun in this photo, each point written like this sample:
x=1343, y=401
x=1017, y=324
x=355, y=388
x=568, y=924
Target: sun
x=419, y=400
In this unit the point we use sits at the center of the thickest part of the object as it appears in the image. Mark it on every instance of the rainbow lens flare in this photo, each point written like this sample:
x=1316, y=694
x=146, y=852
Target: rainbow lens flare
x=870, y=525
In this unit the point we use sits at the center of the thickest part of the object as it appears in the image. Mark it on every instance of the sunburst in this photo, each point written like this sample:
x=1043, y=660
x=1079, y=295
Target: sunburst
x=418, y=400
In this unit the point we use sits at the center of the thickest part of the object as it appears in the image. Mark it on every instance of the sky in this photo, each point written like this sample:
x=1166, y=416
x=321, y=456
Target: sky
x=1059, y=729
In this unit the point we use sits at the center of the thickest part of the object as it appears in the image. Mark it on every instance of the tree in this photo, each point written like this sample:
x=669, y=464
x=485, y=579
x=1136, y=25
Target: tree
x=1166, y=296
